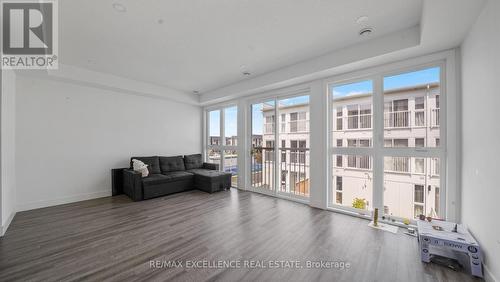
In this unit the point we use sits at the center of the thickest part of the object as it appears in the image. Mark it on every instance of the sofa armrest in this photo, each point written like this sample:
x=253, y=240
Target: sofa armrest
x=132, y=184
x=210, y=166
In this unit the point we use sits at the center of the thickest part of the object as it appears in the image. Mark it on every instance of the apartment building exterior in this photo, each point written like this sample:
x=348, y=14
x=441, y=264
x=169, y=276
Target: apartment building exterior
x=411, y=119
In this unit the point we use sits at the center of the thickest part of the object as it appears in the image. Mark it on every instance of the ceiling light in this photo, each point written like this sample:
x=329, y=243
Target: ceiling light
x=365, y=31
x=246, y=73
x=362, y=19
x=161, y=21
x=119, y=7
x=196, y=92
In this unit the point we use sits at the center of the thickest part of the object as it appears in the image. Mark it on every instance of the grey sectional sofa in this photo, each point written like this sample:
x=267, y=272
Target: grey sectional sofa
x=168, y=175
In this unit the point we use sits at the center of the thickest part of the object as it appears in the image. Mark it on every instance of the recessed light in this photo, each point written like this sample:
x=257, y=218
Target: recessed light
x=160, y=21
x=196, y=92
x=362, y=19
x=119, y=7
x=365, y=31
x=246, y=73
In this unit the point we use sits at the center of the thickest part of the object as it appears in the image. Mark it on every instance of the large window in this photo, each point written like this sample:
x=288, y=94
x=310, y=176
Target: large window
x=352, y=132
x=222, y=128
x=395, y=127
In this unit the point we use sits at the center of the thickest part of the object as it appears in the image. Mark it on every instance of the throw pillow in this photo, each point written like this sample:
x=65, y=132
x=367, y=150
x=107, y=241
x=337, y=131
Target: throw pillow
x=140, y=167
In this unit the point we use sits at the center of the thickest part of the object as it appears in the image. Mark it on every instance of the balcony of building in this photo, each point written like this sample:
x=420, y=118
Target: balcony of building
x=293, y=169
x=392, y=120
x=298, y=126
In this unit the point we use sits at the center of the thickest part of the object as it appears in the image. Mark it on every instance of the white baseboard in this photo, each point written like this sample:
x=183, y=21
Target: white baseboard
x=488, y=276
x=4, y=227
x=63, y=200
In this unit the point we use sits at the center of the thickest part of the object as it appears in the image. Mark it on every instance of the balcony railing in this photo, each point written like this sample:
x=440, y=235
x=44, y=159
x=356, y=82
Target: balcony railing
x=294, y=171
x=363, y=121
x=297, y=126
x=397, y=164
x=262, y=168
x=435, y=117
x=293, y=165
x=399, y=119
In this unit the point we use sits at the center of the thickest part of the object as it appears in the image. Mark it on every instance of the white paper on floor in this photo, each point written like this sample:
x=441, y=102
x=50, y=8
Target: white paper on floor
x=385, y=227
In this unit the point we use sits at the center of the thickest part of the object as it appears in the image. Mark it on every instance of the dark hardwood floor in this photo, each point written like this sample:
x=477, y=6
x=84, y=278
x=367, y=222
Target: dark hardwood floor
x=114, y=239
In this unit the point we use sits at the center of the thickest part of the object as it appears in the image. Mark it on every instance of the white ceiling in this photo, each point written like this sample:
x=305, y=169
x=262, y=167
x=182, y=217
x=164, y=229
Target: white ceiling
x=201, y=45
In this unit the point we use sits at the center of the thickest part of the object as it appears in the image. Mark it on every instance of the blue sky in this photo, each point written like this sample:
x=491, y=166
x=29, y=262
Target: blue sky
x=230, y=122
x=391, y=82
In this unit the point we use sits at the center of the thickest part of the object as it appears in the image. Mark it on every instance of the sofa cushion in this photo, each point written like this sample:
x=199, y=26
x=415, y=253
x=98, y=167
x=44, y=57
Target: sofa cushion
x=168, y=164
x=207, y=172
x=152, y=162
x=193, y=161
x=154, y=179
x=178, y=175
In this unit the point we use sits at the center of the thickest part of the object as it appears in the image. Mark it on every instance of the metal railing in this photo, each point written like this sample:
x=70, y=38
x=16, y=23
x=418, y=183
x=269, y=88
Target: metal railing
x=399, y=119
x=293, y=170
x=262, y=168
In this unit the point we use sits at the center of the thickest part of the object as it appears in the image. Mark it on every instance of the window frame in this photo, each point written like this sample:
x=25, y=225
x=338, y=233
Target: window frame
x=378, y=151
x=222, y=147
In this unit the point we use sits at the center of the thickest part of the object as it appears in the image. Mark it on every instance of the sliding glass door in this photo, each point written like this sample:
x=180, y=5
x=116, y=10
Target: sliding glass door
x=293, y=152
x=280, y=147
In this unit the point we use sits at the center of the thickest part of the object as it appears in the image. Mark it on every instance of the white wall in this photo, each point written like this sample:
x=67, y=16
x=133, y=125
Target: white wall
x=8, y=143
x=69, y=136
x=481, y=133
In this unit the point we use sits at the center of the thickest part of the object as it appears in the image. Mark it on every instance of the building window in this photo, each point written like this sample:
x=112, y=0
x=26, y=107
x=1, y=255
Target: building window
x=338, y=198
x=283, y=123
x=339, y=142
x=338, y=193
x=419, y=142
x=339, y=162
x=419, y=194
x=436, y=200
x=269, y=151
x=419, y=165
x=283, y=151
x=339, y=113
x=419, y=114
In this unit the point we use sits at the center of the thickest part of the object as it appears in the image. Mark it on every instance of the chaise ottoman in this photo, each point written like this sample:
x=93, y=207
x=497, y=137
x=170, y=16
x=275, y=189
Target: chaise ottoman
x=211, y=180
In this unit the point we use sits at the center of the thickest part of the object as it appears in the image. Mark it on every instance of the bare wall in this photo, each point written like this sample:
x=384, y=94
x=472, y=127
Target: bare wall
x=481, y=133
x=70, y=136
